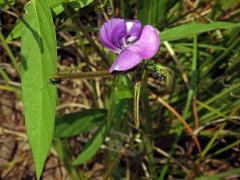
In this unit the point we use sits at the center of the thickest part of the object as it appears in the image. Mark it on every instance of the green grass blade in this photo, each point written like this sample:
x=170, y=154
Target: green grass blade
x=220, y=176
x=92, y=146
x=64, y=153
x=152, y=11
x=192, y=88
x=189, y=30
x=38, y=63
x=222, y=150
x=4, y=76
x=211, y=109
x=223, y=93
x=210, y=144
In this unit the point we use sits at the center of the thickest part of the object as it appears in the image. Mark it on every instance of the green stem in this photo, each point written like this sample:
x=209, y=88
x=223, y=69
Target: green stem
x=4, y=76
x=83, y=75
x=193, y=79
x=9, y=52
x=11, y=89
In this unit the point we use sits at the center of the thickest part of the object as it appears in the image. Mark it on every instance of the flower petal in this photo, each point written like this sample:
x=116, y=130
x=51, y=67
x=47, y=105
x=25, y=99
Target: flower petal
x=111, y=33
x=148, y=43
x=134, y=28
x=125, y=60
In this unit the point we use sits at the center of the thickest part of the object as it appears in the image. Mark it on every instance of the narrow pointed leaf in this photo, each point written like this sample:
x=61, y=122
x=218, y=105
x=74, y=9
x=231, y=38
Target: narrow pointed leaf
x=152, y=11
x=92, y=146
x=189, y=30
x=38, y=63
x=78, y=122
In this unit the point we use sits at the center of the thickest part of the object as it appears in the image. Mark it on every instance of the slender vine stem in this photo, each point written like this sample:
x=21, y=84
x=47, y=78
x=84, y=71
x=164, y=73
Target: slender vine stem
x=82, y=75
x=9, y=52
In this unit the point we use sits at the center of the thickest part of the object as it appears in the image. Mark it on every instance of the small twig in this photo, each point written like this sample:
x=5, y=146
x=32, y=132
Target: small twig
x=11, y=132
x=21, y=135
x=10, y=13
x=189, y=3
x=145, y=170
x=67, y=105
x=165, y=154
x=195, y=113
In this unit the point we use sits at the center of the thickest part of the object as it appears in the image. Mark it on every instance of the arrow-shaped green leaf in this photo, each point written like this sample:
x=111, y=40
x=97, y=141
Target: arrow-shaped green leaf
x=38, y=63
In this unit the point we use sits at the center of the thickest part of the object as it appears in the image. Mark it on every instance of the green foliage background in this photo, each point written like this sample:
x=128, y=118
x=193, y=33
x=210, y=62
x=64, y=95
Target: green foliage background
x=135, y=127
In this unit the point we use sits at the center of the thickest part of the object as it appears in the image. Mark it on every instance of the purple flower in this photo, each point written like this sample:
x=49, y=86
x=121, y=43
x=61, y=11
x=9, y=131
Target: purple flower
x=130, y=41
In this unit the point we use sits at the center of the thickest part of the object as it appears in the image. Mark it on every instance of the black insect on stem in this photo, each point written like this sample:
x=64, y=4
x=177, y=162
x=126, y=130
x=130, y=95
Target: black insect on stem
x=55, y=81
